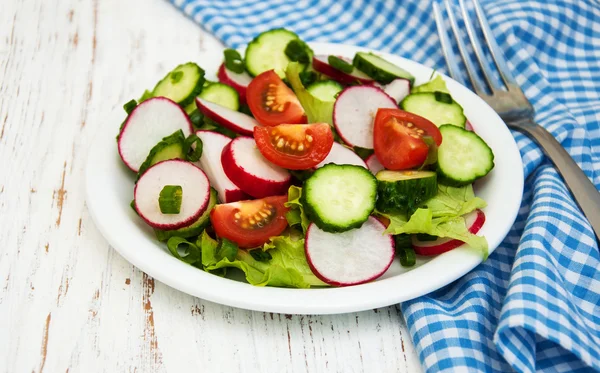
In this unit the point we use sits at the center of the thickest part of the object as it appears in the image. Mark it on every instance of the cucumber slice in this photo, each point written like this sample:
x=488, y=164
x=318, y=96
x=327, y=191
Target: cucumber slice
x=221, y=94
x=195, y=228
x=325, y=90
x=338, y=198
x=380, y=69
x=438, y=107
x=404, y=191
x=171, y=147
x=181, y=85
x=463, y=156
x=267, y=52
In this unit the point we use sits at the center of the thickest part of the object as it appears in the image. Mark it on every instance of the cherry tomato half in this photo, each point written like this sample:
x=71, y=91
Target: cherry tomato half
x=398, y=138
x=250, y=223
x=272, y=102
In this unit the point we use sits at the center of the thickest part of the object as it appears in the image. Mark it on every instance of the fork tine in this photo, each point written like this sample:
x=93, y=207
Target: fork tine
x=487, y=72
x=446, y=45
x=463, y=51
x=497, y=55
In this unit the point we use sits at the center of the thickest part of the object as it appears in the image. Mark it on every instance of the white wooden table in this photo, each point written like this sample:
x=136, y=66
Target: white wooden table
x=68, y=301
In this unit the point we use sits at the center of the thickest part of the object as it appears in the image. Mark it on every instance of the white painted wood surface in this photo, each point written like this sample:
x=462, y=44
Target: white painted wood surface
x=68, y=301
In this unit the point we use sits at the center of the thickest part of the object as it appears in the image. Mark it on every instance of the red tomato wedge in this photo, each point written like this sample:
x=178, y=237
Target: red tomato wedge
x=250, y=223
x=398, y=138
x=272, y=102
x=295, y=146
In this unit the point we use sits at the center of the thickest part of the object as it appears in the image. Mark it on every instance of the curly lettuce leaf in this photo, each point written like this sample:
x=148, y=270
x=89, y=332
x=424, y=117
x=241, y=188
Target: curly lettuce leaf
x=436, y=84
x=296, y=216
x=287, y=267
x=443, y=216
x=317, y=111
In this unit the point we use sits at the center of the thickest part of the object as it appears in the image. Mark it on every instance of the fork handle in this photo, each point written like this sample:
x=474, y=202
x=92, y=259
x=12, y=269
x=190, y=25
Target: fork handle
x=585, y=193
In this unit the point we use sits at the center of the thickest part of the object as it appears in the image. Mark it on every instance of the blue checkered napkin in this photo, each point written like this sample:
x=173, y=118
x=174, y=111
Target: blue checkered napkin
x=534, y=305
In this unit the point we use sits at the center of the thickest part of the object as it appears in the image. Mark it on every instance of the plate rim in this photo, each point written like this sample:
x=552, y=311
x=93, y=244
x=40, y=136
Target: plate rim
x=380, y=293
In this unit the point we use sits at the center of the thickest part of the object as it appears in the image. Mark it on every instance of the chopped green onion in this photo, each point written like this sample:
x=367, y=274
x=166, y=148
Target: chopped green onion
x=129, y=106
x=426, y=237
x=402, y=240
x=297, y=51
x=233, y=61
x=176, y=76
x=443, y=97
x=364, y=153
x=132, y=205
x=197, y=118
x=260, y=256
x=178, y=246
x=407, y=256
x=170, y=198
x=196, y=152
x=339, y=64
x=308, y=77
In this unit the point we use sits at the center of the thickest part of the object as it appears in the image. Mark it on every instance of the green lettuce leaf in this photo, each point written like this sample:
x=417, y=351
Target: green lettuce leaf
x=287, y=267
x=436, y=84
x=443, y=216
x=296, y=213
x=317, y=111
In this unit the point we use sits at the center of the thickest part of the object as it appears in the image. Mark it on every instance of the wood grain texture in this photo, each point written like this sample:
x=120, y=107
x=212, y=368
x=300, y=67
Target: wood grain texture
x=69, y=302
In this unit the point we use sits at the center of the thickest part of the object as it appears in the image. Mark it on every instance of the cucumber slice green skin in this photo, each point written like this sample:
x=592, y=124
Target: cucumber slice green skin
x=182, y=84
x=267, y=51
x=403, y=191
x=171, y=147
x=463, y=156
x=380, y=69
x=438, y=107
x=338, y=198
x=325, y=90
x=193, y=230
x=221, y=94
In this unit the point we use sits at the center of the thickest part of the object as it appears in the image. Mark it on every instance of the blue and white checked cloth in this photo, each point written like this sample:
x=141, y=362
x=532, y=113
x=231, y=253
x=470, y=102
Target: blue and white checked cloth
x=534, y=305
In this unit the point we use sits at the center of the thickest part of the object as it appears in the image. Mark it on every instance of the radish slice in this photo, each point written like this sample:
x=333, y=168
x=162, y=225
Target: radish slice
x=354, y=112
x=352, y=257
x=195, y=187
x=249, y=170
x=374, y=165
x=339, y=154
x=234, y=120
x=474, y=222
x=321, y=64
x=397, y=89
x=469, y=126
x=238, y=81
x=212, y=147
x=147, y=125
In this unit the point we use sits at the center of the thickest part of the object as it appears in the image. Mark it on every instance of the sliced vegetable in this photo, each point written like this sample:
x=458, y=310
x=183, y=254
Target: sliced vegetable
x=339, y=197
x=373, y=164
x=239, y=81
x=322, y=65
x=474, y=221
x=297, y=51
x=397, y=89
x=182, y=84
x=340, y=64
x=169, y=199
x=193, y=229
x=267, y=52
x=171, y=147
x=230, y=119
x=463, y=157
x=233, y=61
x=221, y=94
x=272, y=102
x=380, y=69
x=399, y=139
x=325, y=90
x=294, y=146
x=250, y=223
x=339, y=154
x=438, y=107
x=195, y=193
x=250, y=171
x=149, y=123
x=192, y=148
x=210, y=162
x=354, y=111
x=129, y=106
x=349, y=258
x=436, y=84
x=404, y=191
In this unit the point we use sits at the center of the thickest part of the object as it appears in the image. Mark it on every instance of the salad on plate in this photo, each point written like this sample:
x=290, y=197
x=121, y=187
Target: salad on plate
x=303, y=170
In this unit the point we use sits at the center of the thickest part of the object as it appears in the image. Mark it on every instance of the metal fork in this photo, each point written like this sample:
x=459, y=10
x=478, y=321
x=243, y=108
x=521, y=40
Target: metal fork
x=512, y=105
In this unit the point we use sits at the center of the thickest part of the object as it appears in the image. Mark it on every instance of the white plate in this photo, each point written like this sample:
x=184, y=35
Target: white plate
x=109, y=187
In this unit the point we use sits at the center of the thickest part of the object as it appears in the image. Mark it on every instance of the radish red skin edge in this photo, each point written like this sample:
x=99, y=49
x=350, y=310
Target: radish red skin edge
x=251, y=184
x=227, y=117
x=225, y=79
x=452, y=244
x=189, y=220
x=374, y=276
x=324, y=67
